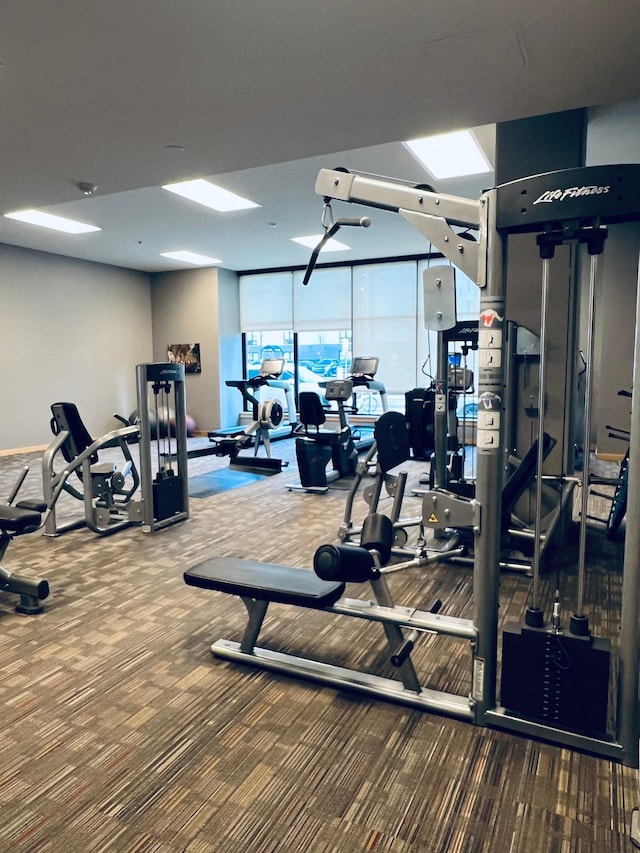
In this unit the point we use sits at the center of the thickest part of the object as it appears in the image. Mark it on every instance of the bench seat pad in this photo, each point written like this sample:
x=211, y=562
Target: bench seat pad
x=15, y=520
x=264, y=581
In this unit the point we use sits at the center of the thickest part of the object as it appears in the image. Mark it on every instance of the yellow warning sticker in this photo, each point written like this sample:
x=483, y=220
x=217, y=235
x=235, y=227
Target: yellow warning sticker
x=433, y=518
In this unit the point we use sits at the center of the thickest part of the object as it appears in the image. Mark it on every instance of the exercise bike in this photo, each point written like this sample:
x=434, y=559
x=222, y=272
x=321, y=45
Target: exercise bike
x=267, y=416
x=316, y=446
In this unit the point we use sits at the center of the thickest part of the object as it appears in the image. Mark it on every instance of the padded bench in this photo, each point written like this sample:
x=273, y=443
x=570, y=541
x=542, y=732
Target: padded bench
x=259, y=584
x=264, y=582
x=17, y=520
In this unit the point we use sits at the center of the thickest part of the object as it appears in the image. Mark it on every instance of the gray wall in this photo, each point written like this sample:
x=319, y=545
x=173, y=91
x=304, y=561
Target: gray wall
x=201, y=306
x=71, y=330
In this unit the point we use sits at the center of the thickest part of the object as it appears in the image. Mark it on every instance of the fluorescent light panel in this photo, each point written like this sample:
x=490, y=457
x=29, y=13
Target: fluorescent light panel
x=312, y=241
x=450, y=155
x=48, y=220
x=191, y=258
x=204, y=192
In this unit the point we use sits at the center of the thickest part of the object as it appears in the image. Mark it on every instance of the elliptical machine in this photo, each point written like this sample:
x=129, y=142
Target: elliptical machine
x=316, y=446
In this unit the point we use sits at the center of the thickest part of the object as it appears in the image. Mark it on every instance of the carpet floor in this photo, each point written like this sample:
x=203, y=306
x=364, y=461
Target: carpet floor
x=122, y=733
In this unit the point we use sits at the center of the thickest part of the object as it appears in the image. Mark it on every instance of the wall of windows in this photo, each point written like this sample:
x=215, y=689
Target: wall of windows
x=360, y=310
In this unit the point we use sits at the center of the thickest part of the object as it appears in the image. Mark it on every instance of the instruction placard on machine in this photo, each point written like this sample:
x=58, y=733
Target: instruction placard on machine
x=490, y=343
x=489, y=408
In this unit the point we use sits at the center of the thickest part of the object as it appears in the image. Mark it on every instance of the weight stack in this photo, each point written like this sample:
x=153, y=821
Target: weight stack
x=168, y=497
x=558, y=679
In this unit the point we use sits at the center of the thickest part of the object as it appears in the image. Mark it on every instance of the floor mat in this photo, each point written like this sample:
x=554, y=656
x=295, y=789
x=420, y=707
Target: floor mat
x=205, y=485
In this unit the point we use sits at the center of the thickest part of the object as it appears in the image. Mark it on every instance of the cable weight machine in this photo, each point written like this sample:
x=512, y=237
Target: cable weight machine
x=567, y=200
x=163, y=444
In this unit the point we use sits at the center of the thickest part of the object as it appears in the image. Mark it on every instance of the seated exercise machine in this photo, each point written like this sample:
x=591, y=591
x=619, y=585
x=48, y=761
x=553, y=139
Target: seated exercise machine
x=267, y=416
x=24, y=517
x=260, y=584
x=105, y=490
x=383, y=463
x=315, y=447
x=389, y=450
x=420, y=403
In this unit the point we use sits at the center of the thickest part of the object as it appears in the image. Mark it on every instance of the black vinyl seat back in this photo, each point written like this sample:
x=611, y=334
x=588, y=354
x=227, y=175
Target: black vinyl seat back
x=525, y=473
x=310, y=410
x=66, y=418
x=392, y=440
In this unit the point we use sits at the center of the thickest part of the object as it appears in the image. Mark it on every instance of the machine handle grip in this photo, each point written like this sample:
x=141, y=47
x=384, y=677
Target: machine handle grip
x=404, y=650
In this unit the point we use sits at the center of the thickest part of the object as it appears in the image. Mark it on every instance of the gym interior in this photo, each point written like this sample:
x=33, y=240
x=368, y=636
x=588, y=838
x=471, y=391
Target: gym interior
x=455, y=723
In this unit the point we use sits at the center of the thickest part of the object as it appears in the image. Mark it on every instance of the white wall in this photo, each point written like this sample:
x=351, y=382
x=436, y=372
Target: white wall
x=71, y=330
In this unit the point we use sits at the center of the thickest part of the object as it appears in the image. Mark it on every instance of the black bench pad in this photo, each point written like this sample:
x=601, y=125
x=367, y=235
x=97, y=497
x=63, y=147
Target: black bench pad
x=264, y=581
x=15, y=520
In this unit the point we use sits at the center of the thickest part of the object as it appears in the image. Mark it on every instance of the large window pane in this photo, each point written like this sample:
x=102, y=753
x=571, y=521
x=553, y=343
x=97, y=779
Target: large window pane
x=384, y=310
x=324, y=303
x=266, y=302
x=267, y=344
x=321, y=356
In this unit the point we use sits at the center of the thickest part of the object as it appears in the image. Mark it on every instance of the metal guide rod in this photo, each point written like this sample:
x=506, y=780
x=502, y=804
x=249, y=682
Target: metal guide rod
x=586, y=465
x=441, y=415
x=534, y=616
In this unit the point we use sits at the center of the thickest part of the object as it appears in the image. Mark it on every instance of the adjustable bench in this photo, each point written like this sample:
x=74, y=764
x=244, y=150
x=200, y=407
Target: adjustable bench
x=260, y=584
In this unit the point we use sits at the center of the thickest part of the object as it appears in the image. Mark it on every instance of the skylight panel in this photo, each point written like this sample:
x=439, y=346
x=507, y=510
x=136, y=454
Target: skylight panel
x=48, y=220
x=191, y=258
x=450, y=155
x=210, y=195
x=332, y=245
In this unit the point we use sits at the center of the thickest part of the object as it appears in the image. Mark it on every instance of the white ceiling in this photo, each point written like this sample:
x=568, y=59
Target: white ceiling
x=259, y=95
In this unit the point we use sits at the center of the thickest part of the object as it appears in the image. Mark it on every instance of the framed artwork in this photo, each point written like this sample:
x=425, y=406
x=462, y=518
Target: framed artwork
x=187, y=354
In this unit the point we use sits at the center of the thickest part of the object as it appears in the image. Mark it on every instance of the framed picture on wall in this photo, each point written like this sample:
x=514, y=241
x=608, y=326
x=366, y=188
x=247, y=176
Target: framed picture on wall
x=187, y=354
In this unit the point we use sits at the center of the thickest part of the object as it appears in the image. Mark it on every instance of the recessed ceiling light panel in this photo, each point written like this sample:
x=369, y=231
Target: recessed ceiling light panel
x=210, y=195
x=450, y=155
x=191, y=258
x=331, y=245
x=48, y=220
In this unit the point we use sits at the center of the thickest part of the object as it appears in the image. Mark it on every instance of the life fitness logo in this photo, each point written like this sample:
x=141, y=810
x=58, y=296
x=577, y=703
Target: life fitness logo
x=570, y=192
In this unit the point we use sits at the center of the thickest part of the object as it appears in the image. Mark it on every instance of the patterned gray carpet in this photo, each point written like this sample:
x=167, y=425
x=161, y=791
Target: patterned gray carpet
x=121, y=733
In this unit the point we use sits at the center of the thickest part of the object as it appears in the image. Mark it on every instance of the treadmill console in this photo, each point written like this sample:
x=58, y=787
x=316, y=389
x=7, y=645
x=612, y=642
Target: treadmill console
x=271, y=368
x=364, y=366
